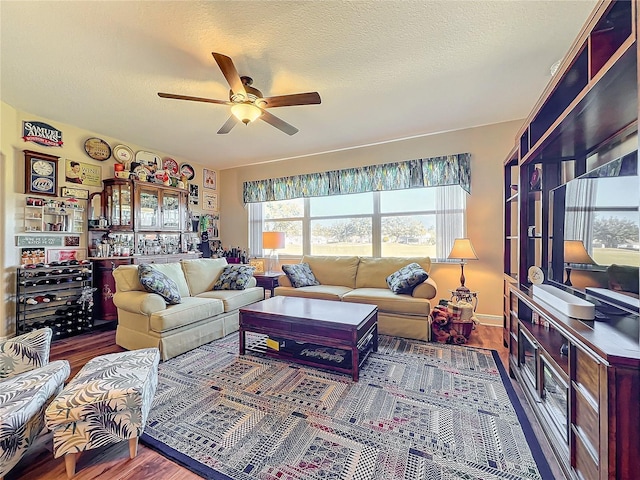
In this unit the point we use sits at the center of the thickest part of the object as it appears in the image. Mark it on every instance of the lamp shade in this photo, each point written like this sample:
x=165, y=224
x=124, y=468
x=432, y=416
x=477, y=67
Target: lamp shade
x=245, y=112
x=272, y=240
x=574, y=252
x=463, y=250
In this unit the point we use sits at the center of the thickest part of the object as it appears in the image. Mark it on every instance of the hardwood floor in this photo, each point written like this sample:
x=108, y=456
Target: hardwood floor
x=113, y=462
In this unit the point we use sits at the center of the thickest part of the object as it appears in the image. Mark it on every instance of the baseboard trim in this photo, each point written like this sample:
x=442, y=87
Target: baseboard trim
x=489, y=320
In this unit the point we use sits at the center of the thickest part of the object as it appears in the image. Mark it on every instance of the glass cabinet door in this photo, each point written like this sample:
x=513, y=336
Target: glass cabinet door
x=118, y=208
x=170, y=211
x=149, y=209
x=555, y=399
x=528, y=358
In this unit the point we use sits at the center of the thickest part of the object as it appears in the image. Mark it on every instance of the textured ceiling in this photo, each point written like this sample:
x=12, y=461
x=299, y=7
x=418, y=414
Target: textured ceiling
x=385, y=70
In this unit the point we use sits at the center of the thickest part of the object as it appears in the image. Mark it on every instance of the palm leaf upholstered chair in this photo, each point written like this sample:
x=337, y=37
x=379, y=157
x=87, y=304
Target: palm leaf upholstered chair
x=28, y=383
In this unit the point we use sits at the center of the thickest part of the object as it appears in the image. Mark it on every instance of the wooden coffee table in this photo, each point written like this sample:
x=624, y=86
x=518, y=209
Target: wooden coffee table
x=328, y=323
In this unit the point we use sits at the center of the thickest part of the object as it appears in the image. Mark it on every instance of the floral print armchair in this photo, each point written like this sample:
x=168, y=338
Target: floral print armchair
x=28, y=383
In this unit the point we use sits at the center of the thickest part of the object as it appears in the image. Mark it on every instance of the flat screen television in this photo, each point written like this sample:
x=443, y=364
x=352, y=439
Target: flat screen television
x=601, y=210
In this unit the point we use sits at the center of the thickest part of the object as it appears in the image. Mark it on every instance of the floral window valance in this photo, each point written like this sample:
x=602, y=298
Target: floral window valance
x=425, y=172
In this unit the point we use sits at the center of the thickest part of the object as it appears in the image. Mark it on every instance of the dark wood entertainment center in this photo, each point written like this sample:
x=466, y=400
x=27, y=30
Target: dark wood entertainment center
x=581, y=378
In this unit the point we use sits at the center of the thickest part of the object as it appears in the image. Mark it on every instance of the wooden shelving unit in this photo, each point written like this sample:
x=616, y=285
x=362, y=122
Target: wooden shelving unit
x=581, y=378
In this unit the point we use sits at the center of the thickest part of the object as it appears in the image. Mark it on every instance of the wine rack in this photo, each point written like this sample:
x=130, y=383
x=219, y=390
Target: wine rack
x=58, y=295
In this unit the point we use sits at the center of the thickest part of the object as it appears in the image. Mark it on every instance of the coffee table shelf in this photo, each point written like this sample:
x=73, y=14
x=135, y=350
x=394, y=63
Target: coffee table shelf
x=349, y=326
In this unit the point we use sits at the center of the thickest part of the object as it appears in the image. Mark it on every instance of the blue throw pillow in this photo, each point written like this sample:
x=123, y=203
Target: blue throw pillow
x=155, y=281
x=405, y=279
x=234, y=277
x=300, y=275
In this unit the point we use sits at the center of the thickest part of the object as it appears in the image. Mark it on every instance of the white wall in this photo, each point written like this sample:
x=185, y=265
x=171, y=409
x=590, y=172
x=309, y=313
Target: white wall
x=488, y=146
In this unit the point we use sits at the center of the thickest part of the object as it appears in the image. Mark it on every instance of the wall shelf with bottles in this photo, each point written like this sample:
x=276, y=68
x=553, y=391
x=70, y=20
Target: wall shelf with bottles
x=53, y=216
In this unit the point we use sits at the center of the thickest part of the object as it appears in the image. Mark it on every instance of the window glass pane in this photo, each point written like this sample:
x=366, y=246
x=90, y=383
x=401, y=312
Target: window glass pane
x=341, y=237
x=411, y=200
x=408, y=236
x=292, y=236
x=284, y=208
x=355, y=204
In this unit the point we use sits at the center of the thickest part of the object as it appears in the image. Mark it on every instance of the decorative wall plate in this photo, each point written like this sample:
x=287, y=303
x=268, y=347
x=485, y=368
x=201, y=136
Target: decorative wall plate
x=536, y=276
x=149, y=159
x=188, y=171
x=123, y=154
x=97, y=148
x=171, y=165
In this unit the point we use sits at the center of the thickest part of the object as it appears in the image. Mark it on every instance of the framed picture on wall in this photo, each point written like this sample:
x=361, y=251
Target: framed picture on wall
x=83, y=173
x=41, y=174
x=64, y=254
x=194, y=194
x=210, y=201
x=210, y=179
x=258, y=264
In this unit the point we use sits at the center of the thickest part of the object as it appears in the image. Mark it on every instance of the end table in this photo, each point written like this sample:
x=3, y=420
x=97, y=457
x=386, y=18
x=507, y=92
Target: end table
x=268, y=281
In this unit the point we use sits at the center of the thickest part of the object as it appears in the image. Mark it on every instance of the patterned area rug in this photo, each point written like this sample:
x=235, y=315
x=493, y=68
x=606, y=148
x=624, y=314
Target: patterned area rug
x=420, y=411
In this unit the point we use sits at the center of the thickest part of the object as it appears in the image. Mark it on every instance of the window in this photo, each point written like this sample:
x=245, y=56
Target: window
x=400, y=223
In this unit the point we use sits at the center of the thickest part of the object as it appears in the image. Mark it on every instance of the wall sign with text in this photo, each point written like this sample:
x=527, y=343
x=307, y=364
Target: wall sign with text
x=42, y=134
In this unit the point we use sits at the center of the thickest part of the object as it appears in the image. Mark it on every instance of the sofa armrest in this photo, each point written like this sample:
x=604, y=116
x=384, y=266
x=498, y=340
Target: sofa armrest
x=25, y=352
x=427, y=289
x=143, y=303
x=283, y=281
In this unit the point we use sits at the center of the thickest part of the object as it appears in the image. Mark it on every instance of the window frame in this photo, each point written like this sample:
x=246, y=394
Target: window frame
x=376, y=222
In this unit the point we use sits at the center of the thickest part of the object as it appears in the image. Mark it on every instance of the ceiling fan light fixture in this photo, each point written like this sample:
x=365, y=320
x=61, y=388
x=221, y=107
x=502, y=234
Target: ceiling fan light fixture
x=246, y=112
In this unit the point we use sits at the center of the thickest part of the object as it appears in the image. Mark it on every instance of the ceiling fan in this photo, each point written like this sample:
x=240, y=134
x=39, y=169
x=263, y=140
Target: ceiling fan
x=247, y=103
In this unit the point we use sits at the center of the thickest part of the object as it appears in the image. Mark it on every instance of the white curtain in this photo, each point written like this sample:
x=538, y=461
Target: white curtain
x=255, y=229
x=451, y=203
x=578, y=220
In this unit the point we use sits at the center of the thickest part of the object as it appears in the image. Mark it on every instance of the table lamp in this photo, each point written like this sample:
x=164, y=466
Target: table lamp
x=462, y=250
x=574, y=252
x=272, y=241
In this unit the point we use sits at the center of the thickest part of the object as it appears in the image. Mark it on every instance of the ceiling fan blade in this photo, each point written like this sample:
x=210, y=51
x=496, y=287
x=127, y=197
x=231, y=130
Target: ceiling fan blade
x=195, y=99
x=278, y=123
x=230, y=73
x=309, y=98
x=228, y=125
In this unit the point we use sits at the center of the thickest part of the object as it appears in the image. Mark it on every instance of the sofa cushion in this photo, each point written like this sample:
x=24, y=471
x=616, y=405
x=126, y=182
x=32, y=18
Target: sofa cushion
x=201, y=274
x=334, y=270
x=405, y=279
x=155, y=281
x=320, y=292
x=174, y=272
x=234, y=277
x=191, y=310
x=300, y=275
x=390, y=302
x=235, y=299
x=126, y=277
x=373, y=272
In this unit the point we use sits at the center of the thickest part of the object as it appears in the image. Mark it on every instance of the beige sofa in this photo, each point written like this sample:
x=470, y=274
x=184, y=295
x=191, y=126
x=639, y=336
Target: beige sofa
x=204, y=315
x=363, y=280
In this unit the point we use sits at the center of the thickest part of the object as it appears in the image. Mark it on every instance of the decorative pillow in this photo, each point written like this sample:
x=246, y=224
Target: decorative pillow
x=405, y=279
x=234, y=277
x=157, y=282
x=300, y=275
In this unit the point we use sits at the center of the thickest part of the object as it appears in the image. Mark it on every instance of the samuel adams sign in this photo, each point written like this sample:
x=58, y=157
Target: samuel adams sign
x=42, y=134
